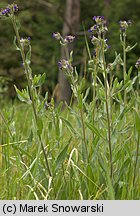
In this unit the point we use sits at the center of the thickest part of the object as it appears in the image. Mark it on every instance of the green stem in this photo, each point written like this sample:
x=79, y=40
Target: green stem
x=107, y=97
x=109, y=126
x=124, y=65
x=95, y=81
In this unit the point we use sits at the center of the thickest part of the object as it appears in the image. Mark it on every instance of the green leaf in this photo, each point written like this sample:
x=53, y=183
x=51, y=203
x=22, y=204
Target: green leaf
x=39, y=126
x=23, y=95
x=71, y=57
x=104, y=166
x=30, y=138
x=70, y=127
x=129, y=48
x=94, y=129
x=18, y=24
x=137, y=121
x=38, y=80
x=28, y=56
x=86, y=95
x=14, y=42
x=59, y=160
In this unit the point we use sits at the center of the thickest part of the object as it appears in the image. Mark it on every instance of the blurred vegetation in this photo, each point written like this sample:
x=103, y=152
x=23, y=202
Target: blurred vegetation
x=40, y=18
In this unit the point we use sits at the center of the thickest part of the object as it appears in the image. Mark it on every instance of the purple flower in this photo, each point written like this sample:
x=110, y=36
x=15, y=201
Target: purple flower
x=99, y=19
x=95, y=17
x=69, y=39
x=56, y=35
x=100, y=26
x=95, y=27
x=92, y=29
x=11, y=9
x=89, y=30
x=5, y=11
x=60, y=65
x=64, y=64
x=15, y=8
x=109, y=46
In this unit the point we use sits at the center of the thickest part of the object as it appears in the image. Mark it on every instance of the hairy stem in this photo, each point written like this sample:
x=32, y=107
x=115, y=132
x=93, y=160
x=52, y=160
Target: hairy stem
x=124, y=65
x=107, y=99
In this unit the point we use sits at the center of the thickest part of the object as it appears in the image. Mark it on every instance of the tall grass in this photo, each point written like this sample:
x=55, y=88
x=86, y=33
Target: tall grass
x=87, y=151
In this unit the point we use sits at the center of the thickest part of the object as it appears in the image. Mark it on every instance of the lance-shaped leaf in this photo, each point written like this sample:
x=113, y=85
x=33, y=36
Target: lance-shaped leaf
x=129, y=48
x=23, y=95
x=39, y=80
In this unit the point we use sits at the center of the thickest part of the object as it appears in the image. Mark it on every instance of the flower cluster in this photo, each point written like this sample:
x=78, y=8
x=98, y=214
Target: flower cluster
x=69, y=39
x=65, y=65
x=100, y=26
x=25, y=41
x=137, y=65
x=99, y=20
x=124, y=25
x=98, y=32
x=64, y=41
x=11, y=9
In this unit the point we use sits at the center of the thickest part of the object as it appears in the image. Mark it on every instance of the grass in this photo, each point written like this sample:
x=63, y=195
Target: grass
x=23, y=172
x=90, y=150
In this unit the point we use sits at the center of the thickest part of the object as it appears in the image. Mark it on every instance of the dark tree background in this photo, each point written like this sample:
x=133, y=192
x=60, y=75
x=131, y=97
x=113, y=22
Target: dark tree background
x=40, y=18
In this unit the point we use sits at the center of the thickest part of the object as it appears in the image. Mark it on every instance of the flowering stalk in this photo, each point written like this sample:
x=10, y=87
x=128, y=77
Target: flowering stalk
x=97, y=31
x=123, y=28
x=10, y=12
x=30, y=88
x=107, y=99
x=64, y=41
x=100, y=42
x=68, y=69
x=124, y=65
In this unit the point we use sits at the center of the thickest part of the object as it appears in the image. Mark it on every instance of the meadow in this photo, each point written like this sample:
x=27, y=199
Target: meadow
x=86, y=150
